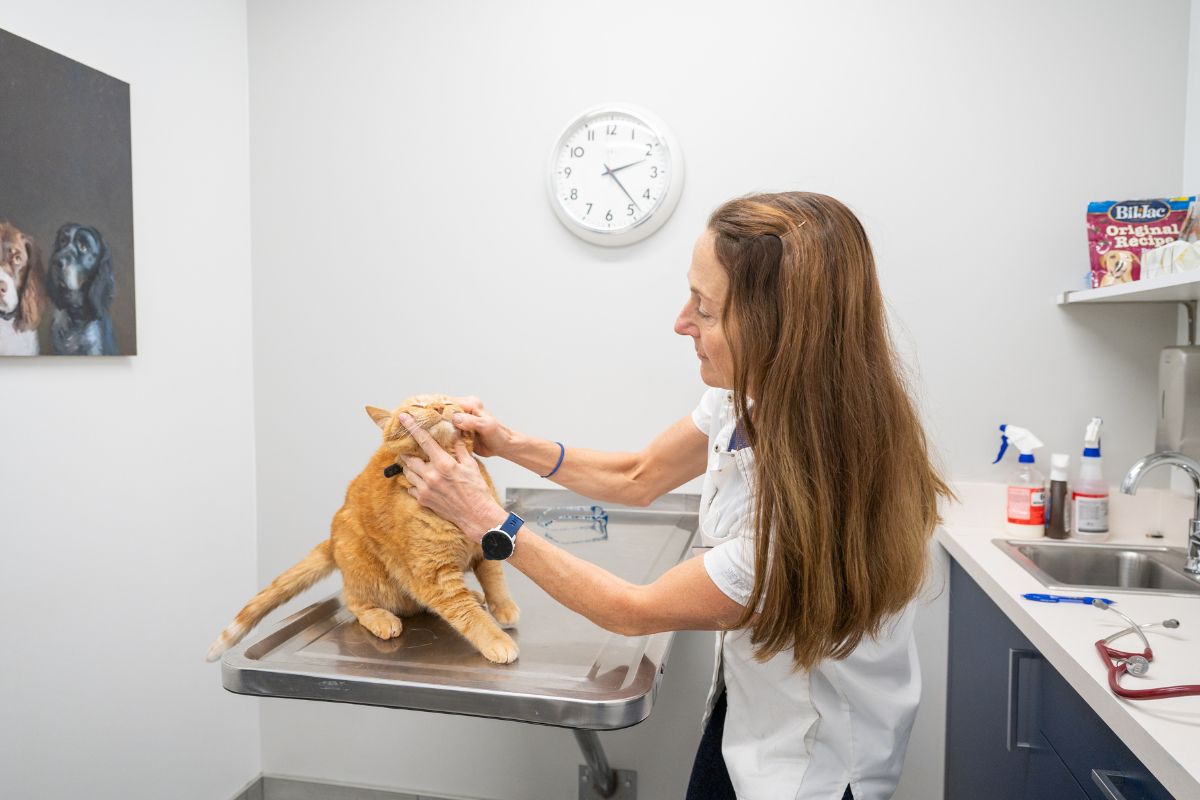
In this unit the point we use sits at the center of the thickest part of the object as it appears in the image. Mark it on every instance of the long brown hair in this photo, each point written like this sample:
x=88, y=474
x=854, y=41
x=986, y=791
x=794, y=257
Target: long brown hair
x=845, y=497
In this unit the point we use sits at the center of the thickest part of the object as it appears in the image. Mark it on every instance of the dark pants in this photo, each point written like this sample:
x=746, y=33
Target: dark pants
x=710, y=778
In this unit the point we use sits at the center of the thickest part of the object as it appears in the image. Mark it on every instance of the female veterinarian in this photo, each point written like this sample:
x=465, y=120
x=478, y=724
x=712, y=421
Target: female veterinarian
x=819, y=498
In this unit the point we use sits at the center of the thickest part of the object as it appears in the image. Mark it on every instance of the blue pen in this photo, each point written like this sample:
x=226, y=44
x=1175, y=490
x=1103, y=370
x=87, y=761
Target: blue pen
x=1060, y=598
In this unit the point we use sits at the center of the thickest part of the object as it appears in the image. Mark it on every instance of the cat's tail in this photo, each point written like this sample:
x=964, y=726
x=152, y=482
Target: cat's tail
x=315, y=566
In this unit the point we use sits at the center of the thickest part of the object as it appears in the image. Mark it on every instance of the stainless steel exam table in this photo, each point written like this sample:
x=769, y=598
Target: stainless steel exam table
x=571, y=673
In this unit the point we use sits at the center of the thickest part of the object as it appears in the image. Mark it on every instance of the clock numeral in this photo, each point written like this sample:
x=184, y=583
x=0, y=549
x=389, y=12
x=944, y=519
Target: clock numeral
x=591, y=135
x=649, y=149
x=574, y=194
x=576, y=152
x=566, y=172
x=629, y=210
x=608, y=216
x=610, y=130
x=632, y=133
x=589, y=205
x=646, y=194
x=654, y=172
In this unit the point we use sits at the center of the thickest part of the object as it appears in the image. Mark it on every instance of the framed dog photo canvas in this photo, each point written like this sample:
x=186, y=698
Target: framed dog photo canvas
x=66, y=207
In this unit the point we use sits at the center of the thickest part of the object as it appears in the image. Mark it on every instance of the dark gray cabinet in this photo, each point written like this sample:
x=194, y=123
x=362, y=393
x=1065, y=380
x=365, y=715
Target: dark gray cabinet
x=1015, y=728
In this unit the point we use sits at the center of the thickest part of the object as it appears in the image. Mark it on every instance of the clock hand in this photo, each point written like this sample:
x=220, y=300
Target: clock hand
x=627, y=166
x=610, y=174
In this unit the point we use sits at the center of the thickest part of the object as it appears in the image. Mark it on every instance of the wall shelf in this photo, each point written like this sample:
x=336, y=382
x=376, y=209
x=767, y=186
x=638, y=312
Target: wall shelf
x=1183, y=287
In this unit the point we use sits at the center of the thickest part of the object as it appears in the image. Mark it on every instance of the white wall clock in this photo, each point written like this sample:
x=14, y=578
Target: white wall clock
x=615, y=175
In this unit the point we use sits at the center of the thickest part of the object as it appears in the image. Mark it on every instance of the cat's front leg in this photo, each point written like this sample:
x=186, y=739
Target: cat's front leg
x=447, y=596
x=499, y=601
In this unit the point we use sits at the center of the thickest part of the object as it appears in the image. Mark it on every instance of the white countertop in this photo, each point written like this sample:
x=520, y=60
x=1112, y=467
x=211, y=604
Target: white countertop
x=1163, y=734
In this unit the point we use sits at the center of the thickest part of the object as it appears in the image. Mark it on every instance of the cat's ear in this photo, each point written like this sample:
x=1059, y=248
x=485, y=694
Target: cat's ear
x=380, y=416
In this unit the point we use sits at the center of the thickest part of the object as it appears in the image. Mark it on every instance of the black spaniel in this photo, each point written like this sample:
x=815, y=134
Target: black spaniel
x=80, y=282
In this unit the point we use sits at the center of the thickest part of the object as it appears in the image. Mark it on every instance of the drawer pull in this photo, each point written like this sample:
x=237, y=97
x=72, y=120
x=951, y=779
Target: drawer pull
x=1015, y=657
x=1104, y=779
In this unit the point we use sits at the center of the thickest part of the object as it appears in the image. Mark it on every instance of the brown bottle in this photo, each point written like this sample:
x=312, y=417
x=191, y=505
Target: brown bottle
x=1058, y=513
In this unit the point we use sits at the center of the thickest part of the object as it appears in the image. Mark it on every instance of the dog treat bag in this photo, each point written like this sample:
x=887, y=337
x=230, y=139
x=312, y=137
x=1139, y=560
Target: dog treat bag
x=1118, y=232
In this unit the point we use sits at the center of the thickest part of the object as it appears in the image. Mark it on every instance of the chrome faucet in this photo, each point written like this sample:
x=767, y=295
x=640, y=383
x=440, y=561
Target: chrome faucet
x=1192, y=468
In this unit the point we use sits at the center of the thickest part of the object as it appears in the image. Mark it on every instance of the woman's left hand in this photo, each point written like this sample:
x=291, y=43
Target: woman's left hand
x=451, y=486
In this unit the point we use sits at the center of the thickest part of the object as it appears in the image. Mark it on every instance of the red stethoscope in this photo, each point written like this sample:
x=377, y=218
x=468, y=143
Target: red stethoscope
x=1120, y=662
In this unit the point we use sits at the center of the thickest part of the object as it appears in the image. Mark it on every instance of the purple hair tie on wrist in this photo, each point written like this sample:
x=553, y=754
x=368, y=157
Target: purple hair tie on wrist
x=562, y=451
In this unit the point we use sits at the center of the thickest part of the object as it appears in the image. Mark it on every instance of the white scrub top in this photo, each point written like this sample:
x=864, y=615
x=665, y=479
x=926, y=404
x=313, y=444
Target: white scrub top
x=796, y=734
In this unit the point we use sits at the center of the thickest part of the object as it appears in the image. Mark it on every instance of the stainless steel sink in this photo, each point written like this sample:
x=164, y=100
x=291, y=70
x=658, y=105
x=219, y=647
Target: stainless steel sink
x=1078, y=565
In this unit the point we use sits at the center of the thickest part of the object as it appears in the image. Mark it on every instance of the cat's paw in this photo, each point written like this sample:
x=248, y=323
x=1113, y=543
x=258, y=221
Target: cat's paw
x=382, y=623
x=506, y=612
x=501, y=650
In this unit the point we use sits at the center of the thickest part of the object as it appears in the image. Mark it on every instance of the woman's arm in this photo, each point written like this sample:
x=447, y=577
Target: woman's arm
x=675, y=456
x=685, y=598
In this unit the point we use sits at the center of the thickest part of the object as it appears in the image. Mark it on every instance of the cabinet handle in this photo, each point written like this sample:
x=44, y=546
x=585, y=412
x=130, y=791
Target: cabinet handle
x=1015, y=657
x=1103, y=779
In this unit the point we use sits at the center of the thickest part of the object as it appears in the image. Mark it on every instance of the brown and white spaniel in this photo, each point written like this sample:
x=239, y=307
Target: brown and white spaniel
x=22, y=292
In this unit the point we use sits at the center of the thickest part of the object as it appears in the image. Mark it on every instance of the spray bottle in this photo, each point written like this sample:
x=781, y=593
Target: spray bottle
x=1026, y=487
x=1089, y=495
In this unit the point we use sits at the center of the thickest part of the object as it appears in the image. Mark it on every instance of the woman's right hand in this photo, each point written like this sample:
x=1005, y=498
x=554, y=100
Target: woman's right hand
x=491, y=437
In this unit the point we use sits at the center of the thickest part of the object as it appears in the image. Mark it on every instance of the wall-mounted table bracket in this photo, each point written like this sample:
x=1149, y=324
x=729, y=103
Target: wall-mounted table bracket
x=597, y=780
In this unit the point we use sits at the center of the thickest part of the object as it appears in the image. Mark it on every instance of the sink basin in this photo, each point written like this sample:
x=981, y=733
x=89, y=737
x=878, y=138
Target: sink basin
x=1078, y=565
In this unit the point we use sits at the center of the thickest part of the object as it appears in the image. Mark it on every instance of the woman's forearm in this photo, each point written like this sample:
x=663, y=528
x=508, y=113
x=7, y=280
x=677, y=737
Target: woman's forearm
x=683, y=598
x=579, y=585
x=676, y=455
x=609, y=477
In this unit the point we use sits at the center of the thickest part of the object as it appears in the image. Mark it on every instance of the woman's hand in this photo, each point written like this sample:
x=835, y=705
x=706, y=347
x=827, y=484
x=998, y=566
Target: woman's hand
x=491, y=437
x=451, y=486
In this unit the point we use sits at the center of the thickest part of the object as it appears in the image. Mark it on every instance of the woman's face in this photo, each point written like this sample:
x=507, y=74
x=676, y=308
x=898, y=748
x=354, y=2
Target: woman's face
x=701, y=316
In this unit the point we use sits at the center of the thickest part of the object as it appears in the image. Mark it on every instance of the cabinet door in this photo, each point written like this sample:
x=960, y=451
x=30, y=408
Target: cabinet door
x=1048, y=778
x=1086, y=743
x=1014, y=727
x=986, y=757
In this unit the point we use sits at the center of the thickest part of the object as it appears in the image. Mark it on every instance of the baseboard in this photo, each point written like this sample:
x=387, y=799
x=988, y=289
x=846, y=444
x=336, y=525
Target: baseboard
x=251, y=791
x=274, y=787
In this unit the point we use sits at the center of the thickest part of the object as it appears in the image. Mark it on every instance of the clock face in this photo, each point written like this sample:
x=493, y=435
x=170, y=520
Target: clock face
x=615, y=175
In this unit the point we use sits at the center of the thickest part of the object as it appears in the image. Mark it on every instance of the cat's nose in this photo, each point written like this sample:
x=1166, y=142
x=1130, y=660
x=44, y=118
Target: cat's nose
x=437, y=408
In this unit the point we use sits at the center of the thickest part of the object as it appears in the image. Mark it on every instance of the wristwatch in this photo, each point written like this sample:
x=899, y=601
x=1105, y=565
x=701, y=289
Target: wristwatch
x=499, y=543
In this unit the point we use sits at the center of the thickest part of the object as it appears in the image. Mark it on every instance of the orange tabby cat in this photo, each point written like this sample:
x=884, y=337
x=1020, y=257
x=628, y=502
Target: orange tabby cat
x=396, y=557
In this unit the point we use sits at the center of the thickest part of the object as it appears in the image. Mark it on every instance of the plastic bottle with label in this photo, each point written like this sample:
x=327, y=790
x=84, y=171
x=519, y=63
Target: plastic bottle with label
x=1058, y=503
x=1089, y=496
x=1026, y=507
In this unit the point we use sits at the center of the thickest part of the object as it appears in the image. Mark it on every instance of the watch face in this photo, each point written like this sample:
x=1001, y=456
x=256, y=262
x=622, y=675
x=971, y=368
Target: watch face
x=615, y=175
x=497, y=545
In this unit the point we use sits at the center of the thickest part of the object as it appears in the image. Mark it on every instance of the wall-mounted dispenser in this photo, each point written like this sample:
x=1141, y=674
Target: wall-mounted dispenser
x=1179, y=401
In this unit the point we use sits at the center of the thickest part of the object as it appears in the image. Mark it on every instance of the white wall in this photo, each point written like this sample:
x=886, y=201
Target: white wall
x=1191, y=181
x=397, y=159
x=127, y=484
x=1191, y=152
